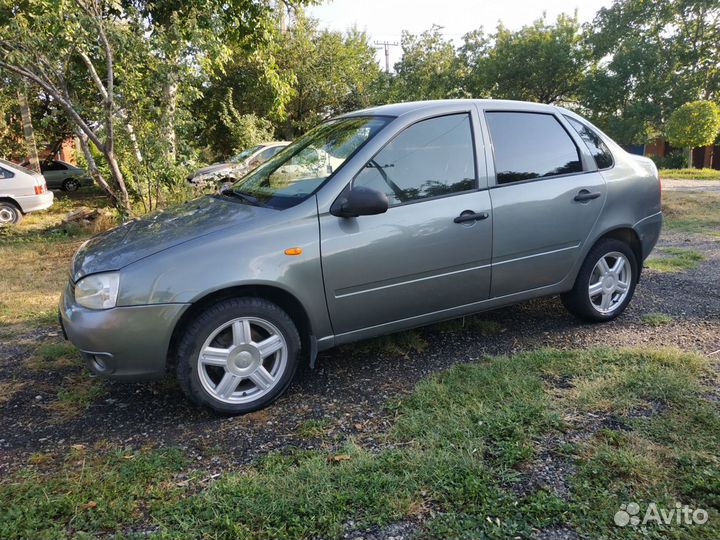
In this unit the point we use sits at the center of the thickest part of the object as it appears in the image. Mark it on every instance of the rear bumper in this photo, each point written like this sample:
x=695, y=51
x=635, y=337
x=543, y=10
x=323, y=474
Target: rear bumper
x=128, y=343
x=648, y=230
x=33, y=203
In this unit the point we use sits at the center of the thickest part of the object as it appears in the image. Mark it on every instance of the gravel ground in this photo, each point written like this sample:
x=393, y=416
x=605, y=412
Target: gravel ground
x=672, y=184
x=349, y=388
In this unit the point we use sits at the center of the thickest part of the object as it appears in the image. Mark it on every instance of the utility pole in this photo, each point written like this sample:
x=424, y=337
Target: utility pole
x=386, y=45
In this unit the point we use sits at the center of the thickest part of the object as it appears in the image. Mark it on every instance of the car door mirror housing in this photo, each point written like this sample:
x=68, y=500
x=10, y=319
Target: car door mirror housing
x=360, y=201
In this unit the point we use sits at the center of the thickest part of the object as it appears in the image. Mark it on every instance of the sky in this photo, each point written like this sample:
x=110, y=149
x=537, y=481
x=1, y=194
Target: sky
x=384, y=20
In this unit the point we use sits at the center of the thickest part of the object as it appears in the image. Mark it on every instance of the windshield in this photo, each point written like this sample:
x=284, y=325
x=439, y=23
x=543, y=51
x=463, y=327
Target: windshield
x=297, y=171
x=16, y=167
x=242, y=156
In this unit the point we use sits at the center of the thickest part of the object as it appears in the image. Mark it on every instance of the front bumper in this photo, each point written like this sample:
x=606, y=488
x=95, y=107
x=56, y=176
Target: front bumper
x=127, y=342
x=33, y=203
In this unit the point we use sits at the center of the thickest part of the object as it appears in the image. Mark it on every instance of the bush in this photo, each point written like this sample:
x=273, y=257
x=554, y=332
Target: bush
x=674, y=160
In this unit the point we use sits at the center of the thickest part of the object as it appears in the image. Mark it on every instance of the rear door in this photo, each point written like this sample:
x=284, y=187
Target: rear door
x=415, y=259
x=546, y=198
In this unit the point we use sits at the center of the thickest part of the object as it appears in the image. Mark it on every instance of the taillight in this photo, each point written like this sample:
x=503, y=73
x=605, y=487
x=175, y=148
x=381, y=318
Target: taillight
x=40, y=186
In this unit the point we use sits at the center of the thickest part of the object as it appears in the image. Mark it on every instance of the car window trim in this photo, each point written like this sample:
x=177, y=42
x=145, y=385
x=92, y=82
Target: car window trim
x=468, y=113
x=496, y=184
x=612, y=156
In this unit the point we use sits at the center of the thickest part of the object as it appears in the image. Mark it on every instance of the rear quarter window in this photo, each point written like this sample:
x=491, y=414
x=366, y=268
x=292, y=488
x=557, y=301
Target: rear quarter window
x=599, y=150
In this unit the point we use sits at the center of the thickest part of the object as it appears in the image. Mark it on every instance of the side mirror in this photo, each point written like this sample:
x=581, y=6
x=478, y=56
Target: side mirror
x=360, y=201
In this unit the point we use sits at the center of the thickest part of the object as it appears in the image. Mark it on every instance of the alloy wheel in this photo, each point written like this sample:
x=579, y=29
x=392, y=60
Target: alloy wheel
x=242, y=360
x=609, y=282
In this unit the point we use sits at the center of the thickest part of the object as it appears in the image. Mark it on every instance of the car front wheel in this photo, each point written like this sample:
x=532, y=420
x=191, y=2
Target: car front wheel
x=605, y=284
x=238, y=355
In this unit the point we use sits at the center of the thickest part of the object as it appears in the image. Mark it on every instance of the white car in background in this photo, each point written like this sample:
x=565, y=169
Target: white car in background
x=237, y=166
x=21, y=191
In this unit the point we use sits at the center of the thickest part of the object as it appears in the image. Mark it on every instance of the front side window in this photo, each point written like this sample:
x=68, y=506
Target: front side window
x=432, y=158
x=598, y=148
x=530, y=145
x=296, y=172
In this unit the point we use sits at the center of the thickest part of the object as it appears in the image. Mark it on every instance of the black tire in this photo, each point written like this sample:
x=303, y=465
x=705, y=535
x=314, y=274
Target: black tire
x=71, y=184
x=10, y=214
x=200, y=329
x=578, y=301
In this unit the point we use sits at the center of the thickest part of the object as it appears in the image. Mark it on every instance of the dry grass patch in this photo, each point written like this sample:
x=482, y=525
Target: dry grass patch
x=8, y=389
x=692, y=212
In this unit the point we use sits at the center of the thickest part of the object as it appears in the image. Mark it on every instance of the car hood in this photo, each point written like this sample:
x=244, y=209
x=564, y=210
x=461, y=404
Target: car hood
x=143, y=237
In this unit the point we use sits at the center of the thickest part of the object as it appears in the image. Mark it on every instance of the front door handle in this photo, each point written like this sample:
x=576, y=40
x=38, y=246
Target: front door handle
x=469, y=215
x=584, y=195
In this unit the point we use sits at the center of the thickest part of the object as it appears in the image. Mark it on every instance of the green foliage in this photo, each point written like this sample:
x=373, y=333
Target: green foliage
x=696, y=123
x=429, y=68
x=649, y=58
x=541, y=62
x=690, y=174
x=247, y=130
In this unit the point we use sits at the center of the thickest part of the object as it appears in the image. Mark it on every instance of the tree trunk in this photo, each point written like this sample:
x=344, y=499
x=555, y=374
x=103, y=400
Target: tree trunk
x=92, y=166
x=117, y=175
x=171, y=91
x=29, y=133
x=689, y=158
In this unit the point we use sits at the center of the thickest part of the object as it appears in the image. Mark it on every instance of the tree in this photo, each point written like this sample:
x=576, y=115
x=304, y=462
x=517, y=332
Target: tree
x=331, y=73
x=428, y=69
x=650, y=57
x=541, y=62
x=696, y=123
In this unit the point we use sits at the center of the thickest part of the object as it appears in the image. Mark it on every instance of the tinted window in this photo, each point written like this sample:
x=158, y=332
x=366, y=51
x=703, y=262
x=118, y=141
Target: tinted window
x=531, y=145
x=4, y=173
x=599, y=150
x=52, y=166
x=431, y=158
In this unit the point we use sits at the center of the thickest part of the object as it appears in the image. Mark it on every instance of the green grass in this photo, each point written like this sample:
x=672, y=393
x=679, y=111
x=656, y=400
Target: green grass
x=674, y=260
x=691, y=174
x=460, y=448
x=656, y=319
x=313, y=428
x=692, y=212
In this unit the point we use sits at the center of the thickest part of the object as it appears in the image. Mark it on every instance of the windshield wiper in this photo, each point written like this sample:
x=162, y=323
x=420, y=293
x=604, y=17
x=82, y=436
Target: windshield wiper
x=229, y=192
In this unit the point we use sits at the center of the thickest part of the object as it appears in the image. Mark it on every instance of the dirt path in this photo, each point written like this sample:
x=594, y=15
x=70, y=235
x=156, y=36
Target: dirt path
x=350, y=388
x=671, y=184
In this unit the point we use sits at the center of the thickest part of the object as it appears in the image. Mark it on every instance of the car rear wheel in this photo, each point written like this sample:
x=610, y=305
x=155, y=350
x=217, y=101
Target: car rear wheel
x=238, y=356
x=9, y=214
x=71, y=184
x=605, y=284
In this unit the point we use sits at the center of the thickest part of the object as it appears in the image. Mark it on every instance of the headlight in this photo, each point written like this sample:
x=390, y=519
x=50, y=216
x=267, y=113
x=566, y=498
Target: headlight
x=98, y=291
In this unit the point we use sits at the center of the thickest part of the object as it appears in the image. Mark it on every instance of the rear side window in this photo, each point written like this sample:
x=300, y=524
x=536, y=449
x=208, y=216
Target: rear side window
x=431, y=158
x=599, y=150
x=52, y=166
x=4, y=173
x=530, y=145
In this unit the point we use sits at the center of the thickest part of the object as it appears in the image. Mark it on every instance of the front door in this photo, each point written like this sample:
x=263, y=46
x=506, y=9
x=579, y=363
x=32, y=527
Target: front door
x=545, y=201
x=431, y=250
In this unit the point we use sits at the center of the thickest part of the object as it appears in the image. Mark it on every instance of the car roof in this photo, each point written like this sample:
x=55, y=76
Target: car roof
x=439, y=105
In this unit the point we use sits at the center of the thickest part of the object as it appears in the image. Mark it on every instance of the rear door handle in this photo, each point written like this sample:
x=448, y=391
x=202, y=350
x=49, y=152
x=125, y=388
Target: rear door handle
x=584, y=195
x=469, y=215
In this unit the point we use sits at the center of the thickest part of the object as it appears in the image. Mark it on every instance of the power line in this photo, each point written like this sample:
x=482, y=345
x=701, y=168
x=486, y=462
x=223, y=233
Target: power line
x=386, y=45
